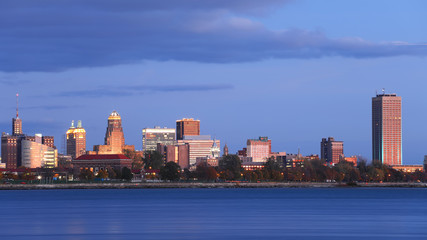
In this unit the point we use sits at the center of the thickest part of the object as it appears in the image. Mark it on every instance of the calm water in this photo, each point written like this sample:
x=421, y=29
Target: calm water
x=214, y=214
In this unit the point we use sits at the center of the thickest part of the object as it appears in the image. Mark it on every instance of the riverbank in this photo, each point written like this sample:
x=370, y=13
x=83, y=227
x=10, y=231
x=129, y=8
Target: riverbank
x=201, y=185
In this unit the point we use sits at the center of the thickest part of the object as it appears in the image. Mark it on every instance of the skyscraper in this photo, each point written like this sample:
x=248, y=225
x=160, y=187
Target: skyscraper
x=331, y=151
x=187, y=127
x=387, y=129
x=76, y=140
x=152, y=136
x=17, y=122
x=114, y=137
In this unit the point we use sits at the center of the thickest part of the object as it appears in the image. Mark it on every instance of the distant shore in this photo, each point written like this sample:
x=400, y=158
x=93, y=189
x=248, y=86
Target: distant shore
x=202, y=185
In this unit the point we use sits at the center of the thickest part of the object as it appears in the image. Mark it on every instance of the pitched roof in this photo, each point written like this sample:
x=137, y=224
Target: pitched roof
x=102, y=156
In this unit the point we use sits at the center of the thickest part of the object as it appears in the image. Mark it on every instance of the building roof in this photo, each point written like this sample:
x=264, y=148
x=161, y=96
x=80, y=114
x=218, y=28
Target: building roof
x=102, y=156
x=114, y=116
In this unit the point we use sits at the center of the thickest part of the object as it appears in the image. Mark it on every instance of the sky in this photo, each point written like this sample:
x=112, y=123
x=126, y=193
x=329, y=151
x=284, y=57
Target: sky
x=293, y=70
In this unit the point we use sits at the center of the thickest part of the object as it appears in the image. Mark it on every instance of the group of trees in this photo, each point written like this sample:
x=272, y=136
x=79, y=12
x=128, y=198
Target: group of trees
x=311, y=171
x=230, y=169
x=111, y=173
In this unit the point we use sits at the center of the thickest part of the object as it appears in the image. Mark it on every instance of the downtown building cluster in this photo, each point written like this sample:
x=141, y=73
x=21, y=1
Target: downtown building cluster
x=187, y=147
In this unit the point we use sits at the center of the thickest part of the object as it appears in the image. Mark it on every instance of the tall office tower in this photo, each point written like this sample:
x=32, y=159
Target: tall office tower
x=76, y=140
x=331, y=151
x=259, y=149
x=16, y=122
x=114, y=136
x=387, y=129
x=187, y=127
x=152, y=136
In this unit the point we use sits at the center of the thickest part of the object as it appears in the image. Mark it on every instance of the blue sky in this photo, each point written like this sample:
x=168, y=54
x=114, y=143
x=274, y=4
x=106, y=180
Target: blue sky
x=295, y=71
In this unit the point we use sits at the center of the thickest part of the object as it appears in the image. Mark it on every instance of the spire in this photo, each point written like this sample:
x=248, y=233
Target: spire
x=79, y=124
x=17, y=112
x=72, y=124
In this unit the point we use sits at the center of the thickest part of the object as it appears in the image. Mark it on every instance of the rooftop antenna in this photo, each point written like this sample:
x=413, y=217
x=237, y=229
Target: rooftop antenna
x=17, y=112
x=383, y=90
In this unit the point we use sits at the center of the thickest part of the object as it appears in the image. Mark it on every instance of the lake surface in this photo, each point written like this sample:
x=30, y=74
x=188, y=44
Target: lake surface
x=362, y=213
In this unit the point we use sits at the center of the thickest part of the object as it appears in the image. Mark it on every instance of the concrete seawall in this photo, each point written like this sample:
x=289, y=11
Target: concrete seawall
x=198, y=185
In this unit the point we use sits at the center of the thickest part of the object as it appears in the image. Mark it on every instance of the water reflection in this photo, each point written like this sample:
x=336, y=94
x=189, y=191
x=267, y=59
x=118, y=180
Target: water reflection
x=214, y=214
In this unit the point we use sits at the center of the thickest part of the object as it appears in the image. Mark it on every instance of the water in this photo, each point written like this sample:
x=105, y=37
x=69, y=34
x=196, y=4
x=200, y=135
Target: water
x=214, y=214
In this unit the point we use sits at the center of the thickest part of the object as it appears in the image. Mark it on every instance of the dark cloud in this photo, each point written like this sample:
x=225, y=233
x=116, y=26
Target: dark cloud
x=51, y=35
x=112, y=91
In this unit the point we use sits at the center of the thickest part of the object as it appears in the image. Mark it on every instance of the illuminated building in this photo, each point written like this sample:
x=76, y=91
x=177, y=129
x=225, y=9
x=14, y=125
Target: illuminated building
x=259, y=149
x=387, y=129
x=152, y=136
x=408, y=168
x=187, y=127
x=114, y=137
x=96, y=162
x=11, y=145
x=352, y=159
x=17, y=122
x=178, y=153
x=331, y=151
x=35, y=154
x=76, y=140
x=200, y=146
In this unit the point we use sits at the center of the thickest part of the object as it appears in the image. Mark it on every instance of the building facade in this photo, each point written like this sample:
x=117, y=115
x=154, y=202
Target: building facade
x=101, y=162
x=35, y=154
x=387, y=129
x=200, y=146
x=114, y=137
x=331, y=151
x=152, y=136
x=187, y=127
x=76, y=140
x=259, y=149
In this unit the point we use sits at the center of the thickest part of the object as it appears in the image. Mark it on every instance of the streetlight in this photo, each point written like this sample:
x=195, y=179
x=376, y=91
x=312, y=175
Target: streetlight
x=39, y=178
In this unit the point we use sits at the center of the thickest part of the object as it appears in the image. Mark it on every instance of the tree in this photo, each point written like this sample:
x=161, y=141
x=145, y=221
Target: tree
x=206, y=172
x=137, y=160
x=127, y=174
x=171, y=171
x=153, y=160
x=86, y=174
x=102, y=174
x=231, y=166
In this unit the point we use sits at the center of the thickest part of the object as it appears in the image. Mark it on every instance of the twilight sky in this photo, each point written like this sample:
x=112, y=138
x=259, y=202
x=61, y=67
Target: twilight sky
x=295, y=71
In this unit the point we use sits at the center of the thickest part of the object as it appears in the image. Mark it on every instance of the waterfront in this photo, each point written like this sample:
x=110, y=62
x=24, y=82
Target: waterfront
x=275, y=213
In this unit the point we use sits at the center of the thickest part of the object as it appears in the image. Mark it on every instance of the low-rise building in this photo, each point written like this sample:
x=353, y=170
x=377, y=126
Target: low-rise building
x=96, y=162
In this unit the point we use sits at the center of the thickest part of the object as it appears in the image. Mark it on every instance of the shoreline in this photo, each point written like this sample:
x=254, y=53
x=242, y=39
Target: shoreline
x=204, y=185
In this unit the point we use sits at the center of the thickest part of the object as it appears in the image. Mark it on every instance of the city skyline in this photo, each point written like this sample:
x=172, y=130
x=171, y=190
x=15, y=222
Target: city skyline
x=381, y=109
x=300, y=75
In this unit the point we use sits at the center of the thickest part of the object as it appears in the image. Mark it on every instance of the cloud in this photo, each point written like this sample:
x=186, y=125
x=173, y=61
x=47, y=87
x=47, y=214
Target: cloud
x=51, y=35
x=112, y=91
